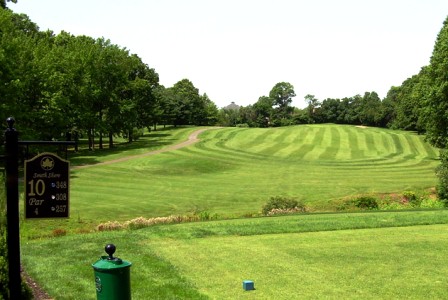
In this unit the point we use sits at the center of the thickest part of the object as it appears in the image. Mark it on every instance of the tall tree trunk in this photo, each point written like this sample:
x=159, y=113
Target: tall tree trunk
x=76, y=140
x=100, y=141
x=111, y=140
x=90, y=134
x=130, y=136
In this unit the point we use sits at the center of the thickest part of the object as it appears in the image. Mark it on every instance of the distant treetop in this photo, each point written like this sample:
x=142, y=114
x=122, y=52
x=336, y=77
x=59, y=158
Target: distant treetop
x=232, y=106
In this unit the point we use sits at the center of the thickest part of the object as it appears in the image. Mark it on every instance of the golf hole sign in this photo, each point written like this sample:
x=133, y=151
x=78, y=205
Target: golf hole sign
x=47, y=187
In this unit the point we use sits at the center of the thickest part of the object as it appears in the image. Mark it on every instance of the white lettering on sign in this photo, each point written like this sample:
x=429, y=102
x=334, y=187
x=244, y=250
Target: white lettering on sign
x=34, y=201
x=40, y=175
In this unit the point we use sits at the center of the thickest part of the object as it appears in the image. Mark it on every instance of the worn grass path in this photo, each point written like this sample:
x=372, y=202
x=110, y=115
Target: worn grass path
x=192, y=138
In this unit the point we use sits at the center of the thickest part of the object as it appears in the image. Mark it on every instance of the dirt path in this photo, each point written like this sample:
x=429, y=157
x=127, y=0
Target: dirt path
x=193, y=138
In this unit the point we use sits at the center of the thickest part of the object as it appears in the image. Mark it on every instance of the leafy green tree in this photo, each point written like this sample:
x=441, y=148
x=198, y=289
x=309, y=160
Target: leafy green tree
x=182, y=104
x=442, y=173
x=210, y=112
x=313, y=104
x=281, y=95
x=3, y=3
x=300, y=116
x=248, y=115
x=263, y=112
x=143, y=83
x=437, y=100
x=18, y=78
x=369, y=109
x=229, y=115
x=330, y=111
x=183, y=95
x=387, y=112
x=409, y=102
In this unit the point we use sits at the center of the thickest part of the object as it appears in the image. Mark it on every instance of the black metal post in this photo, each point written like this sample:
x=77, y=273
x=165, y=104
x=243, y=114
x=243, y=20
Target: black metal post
x=12, y=208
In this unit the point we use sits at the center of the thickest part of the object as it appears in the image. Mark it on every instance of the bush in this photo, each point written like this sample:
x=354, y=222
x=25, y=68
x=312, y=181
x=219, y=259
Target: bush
x=366, y=202
x=412, y=198
x=282, y=204
x=431, y=203
x=442, y=174
x=137, y=133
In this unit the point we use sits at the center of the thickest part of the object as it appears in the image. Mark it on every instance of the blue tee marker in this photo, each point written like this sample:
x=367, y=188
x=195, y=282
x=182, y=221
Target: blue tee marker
x=248, y=285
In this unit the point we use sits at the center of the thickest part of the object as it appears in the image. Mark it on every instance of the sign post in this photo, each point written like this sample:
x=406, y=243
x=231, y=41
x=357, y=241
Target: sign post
x=46, y=193
x=12, y=208
x=47, y=182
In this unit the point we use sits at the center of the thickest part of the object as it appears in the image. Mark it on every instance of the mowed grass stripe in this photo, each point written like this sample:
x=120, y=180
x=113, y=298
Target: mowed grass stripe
x=304, y=134
x=355, y=151
x=288, y=141
x=279, y=142
x=316, y=149
x=344, y=143
x=420, y=147
x=223, y=143
x=333, y=147
x=387, y=142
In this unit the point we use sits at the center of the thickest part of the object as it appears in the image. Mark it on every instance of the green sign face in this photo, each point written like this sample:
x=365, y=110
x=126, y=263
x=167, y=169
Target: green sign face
x=47, y=187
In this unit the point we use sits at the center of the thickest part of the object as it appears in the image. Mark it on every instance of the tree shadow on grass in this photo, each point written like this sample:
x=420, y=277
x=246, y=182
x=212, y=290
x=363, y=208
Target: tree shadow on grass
x=89, y=157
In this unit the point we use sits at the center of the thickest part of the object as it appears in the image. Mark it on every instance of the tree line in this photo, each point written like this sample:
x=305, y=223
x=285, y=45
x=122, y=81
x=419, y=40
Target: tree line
x=419, y=104
x=62, y=85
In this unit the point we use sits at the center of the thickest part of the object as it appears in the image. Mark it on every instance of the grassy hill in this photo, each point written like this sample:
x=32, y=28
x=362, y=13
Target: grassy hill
x=232, y=172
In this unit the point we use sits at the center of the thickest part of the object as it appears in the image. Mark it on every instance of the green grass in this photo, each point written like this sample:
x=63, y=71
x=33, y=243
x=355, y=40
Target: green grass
x=381, y=255
x=233, y=171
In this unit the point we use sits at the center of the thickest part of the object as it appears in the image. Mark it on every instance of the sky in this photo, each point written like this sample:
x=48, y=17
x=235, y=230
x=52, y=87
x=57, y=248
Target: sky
x=237, y=50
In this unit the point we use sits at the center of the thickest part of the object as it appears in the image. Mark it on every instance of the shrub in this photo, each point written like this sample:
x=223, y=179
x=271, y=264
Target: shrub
x=137, y=133
x=442, y=174
x=283, y=204
x=432, y=203
x=206, y=216
x=412, y=198
x=366, y=202
x=409, y=196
